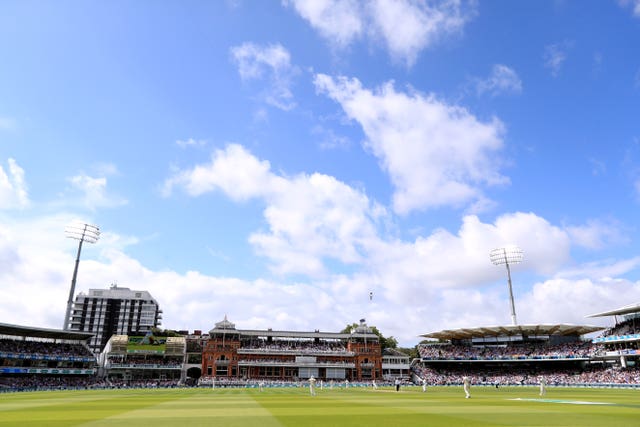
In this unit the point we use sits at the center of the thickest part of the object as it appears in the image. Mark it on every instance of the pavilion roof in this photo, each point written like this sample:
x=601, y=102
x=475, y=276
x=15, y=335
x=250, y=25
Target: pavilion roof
x=513, y=330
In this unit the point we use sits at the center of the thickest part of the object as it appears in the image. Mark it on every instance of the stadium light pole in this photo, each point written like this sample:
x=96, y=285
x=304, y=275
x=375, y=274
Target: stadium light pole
x=82, y=232
x=508, y=255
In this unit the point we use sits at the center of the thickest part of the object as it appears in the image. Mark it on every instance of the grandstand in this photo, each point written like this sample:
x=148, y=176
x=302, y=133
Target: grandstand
x=232, y=354
x=33, y=358
x=156, y=360
x=622, y=341
x=518, y=355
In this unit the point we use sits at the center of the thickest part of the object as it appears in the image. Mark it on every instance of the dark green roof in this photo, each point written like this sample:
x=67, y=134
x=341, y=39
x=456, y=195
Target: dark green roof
x=29, y=331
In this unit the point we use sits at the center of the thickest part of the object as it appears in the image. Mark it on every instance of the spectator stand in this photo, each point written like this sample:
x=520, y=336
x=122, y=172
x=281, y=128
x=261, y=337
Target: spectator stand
x=505, y=354
x=32, y=357
x=128, y=359
x=622, y=341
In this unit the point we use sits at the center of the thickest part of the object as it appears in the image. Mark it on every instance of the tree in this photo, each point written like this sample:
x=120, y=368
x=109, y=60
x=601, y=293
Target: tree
x=412, y=352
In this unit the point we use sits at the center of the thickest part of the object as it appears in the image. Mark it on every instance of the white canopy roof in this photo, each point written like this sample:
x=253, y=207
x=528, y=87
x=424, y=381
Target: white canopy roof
x=627, y=309
x=512, y=330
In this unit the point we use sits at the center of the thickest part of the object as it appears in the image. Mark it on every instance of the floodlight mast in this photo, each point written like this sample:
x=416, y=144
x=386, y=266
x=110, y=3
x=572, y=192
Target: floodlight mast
x=82, y=232
x=508, y=255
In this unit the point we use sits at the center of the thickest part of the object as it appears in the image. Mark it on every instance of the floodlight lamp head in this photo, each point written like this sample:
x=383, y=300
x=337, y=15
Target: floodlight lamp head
x=506, y=255
x=79, y=230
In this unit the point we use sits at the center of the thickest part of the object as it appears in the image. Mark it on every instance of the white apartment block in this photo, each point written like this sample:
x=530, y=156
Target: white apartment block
x=114, y=311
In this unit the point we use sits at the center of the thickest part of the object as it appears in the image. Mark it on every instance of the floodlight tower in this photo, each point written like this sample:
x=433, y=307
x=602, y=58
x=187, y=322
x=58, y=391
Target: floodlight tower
x=508, y=255
x=82, y=232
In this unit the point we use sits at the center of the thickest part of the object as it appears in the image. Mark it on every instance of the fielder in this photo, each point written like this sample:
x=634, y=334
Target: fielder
x=466, y=385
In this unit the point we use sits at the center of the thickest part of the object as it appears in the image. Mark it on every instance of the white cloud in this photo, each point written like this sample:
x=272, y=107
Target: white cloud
x=271, y=63
x=422, y=23
x=555, y=55
x=436, y=154
x=339, y=21
x=309, y=216
x=13, y=188
x=411, y=272
x=601, y=270
x=596, y=234
x=94, y=192
x=234, y=171
x=315, y=219
x=502, y=80
x=561, y=300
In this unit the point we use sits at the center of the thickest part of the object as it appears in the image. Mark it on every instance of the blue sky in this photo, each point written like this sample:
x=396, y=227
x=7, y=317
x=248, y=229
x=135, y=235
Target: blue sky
x=278, y=161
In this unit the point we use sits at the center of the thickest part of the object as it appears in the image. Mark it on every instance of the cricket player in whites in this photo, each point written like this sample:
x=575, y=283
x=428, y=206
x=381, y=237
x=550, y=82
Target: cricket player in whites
x=543, y=386
x=466, y=385
x=312, y=386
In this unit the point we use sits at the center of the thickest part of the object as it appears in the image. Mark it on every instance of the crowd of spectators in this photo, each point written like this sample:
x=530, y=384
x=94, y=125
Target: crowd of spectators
x=304, y=347
x=298, y=382
x=48, y=382
x=142, y=383
x=291, y=360
x=519, y=376
x=44, y=348
x=627, y=327
x=578, y=349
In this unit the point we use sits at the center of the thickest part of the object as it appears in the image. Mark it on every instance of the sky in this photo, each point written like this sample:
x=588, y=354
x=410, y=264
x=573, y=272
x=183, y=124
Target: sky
x=301, y=165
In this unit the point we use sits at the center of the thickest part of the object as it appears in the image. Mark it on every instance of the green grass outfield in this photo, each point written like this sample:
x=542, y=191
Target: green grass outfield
x=439, y=406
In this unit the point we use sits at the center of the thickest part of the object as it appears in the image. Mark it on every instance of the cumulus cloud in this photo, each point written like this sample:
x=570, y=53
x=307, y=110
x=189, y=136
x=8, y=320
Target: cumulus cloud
x=503, y=80
x=561, y=300
x=339, y=21
x=435, y=153
x=309, y=216
x=315, y=219
x=272, y=64
x=412, y=272
x=234, y=170
x=596, y=234
x=600, y=270
x=13, y=188
x=405, y=27
x=94, y=192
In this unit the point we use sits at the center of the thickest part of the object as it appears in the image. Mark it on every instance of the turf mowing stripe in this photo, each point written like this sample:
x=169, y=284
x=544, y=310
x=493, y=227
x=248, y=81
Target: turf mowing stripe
x=569, y=402
x=215, y=409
